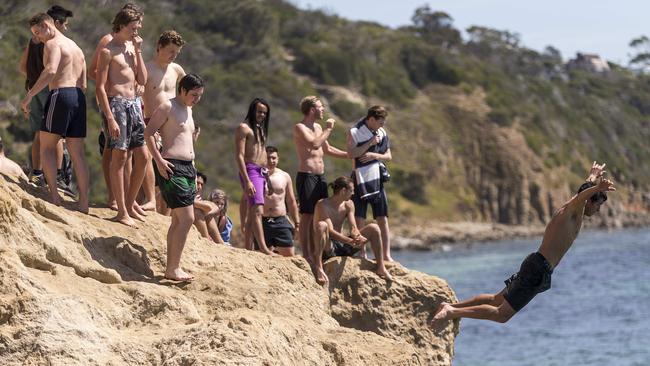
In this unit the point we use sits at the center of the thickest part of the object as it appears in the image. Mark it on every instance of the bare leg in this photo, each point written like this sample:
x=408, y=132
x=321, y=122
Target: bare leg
x=373, y=234
x=490, y=299
x=243, y=214
x=77, y=151
x=161, y=205
x=382, y=221
x=118, y=161
x=361, y=222
x=306, y=238
x=254, y=222
x=36, y=152
x=48, y=143
x=59, y=154
x=200, y=224
x=182, y=219
x=285, y=252
x=148, y=188
x=106, y=168
x=139, y=158
x=321, y=241
x=128, y=167
x=485, y=306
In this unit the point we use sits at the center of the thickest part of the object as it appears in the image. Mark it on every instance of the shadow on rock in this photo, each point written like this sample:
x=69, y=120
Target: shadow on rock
x=125, y=257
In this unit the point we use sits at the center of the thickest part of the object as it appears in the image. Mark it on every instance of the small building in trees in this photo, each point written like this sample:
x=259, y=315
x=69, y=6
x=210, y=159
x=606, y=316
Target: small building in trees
x=589, y=62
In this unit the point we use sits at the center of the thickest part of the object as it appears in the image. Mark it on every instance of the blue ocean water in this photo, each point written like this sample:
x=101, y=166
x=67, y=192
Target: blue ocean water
x=596, y=313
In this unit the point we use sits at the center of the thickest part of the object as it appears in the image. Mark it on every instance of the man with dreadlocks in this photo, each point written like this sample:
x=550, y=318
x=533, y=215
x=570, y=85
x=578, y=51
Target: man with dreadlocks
x=250, y=154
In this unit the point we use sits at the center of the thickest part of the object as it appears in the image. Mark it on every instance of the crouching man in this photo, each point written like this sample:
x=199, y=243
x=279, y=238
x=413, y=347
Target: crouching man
x=329, y=215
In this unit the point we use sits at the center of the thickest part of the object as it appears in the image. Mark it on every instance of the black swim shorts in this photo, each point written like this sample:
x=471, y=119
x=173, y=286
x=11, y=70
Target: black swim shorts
x=65, y=113
x=180, y=189
x=339, y=249
x=378, y=202
x=534, y=277
x=278, y=231
x=311, y=188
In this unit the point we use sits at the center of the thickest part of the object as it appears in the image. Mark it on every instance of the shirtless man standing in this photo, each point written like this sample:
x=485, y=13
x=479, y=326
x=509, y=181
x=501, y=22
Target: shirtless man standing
x=65, y=109
x=120, y=67
x=162, y=76
x=250, y=154
x=311, y=143
x=31, y=65
x=106, y=152
x=329, y=215
x=175, y=171
x=534, y=275
x=278, y=231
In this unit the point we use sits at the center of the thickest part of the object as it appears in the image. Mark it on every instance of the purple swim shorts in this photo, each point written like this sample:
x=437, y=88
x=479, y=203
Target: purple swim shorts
x=257, y=175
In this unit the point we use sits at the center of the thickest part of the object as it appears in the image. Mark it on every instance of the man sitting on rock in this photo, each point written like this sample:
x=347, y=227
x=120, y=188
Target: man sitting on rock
x=329, y=215
x=534, y=276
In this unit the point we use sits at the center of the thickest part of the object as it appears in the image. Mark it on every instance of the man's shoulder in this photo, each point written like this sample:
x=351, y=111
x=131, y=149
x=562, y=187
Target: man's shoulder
x=243, y=127
x=166, y=106
x=109, y=50
x=105, y=40
x=177, y=68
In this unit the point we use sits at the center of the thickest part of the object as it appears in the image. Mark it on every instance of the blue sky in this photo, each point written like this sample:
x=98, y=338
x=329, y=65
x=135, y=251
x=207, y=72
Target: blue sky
x=596, y=26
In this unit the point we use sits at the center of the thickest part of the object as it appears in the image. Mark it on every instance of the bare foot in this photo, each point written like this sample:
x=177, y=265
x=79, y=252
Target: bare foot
x=134, y=214
x=126, y=220
x=322, y=278
x=83, y=208
x=362, y=253
x=179, y=275
x=383, y=273
x=319, y=275
x=137, y=208
x=388, y=259
x=148, y=206
x=55, y=199
x=112, y=205
x=443, y=313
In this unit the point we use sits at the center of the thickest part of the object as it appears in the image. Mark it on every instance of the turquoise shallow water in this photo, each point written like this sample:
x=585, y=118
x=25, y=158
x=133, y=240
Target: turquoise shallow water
x=596, y=313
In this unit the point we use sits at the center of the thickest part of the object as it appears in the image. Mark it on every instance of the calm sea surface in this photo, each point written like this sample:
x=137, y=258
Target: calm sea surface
x=596, y=313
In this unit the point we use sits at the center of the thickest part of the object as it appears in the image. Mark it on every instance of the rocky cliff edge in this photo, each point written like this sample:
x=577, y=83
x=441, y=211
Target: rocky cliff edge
x=80, y=289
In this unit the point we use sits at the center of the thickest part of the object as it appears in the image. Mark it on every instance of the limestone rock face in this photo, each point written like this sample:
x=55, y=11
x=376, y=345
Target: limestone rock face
x=80, y=289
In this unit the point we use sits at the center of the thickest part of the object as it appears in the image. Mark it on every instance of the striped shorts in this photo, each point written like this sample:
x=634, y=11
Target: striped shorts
x=65, y=113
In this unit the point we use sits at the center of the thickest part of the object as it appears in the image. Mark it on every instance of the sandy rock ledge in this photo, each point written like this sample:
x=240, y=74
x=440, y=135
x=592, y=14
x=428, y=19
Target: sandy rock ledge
x=81, y=290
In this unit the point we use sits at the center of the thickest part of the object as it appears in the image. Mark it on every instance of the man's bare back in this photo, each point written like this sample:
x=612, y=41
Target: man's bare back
x=161, y=85
x=72, y=65
x=560, y=233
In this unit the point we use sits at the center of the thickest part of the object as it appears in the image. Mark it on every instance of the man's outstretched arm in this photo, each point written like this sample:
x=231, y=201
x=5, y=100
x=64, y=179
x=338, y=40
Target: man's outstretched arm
x=605, y=185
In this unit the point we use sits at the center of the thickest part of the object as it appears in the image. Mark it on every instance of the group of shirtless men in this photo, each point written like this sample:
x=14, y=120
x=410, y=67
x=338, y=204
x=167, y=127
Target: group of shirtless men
x=169, y=95
x=159, y=126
